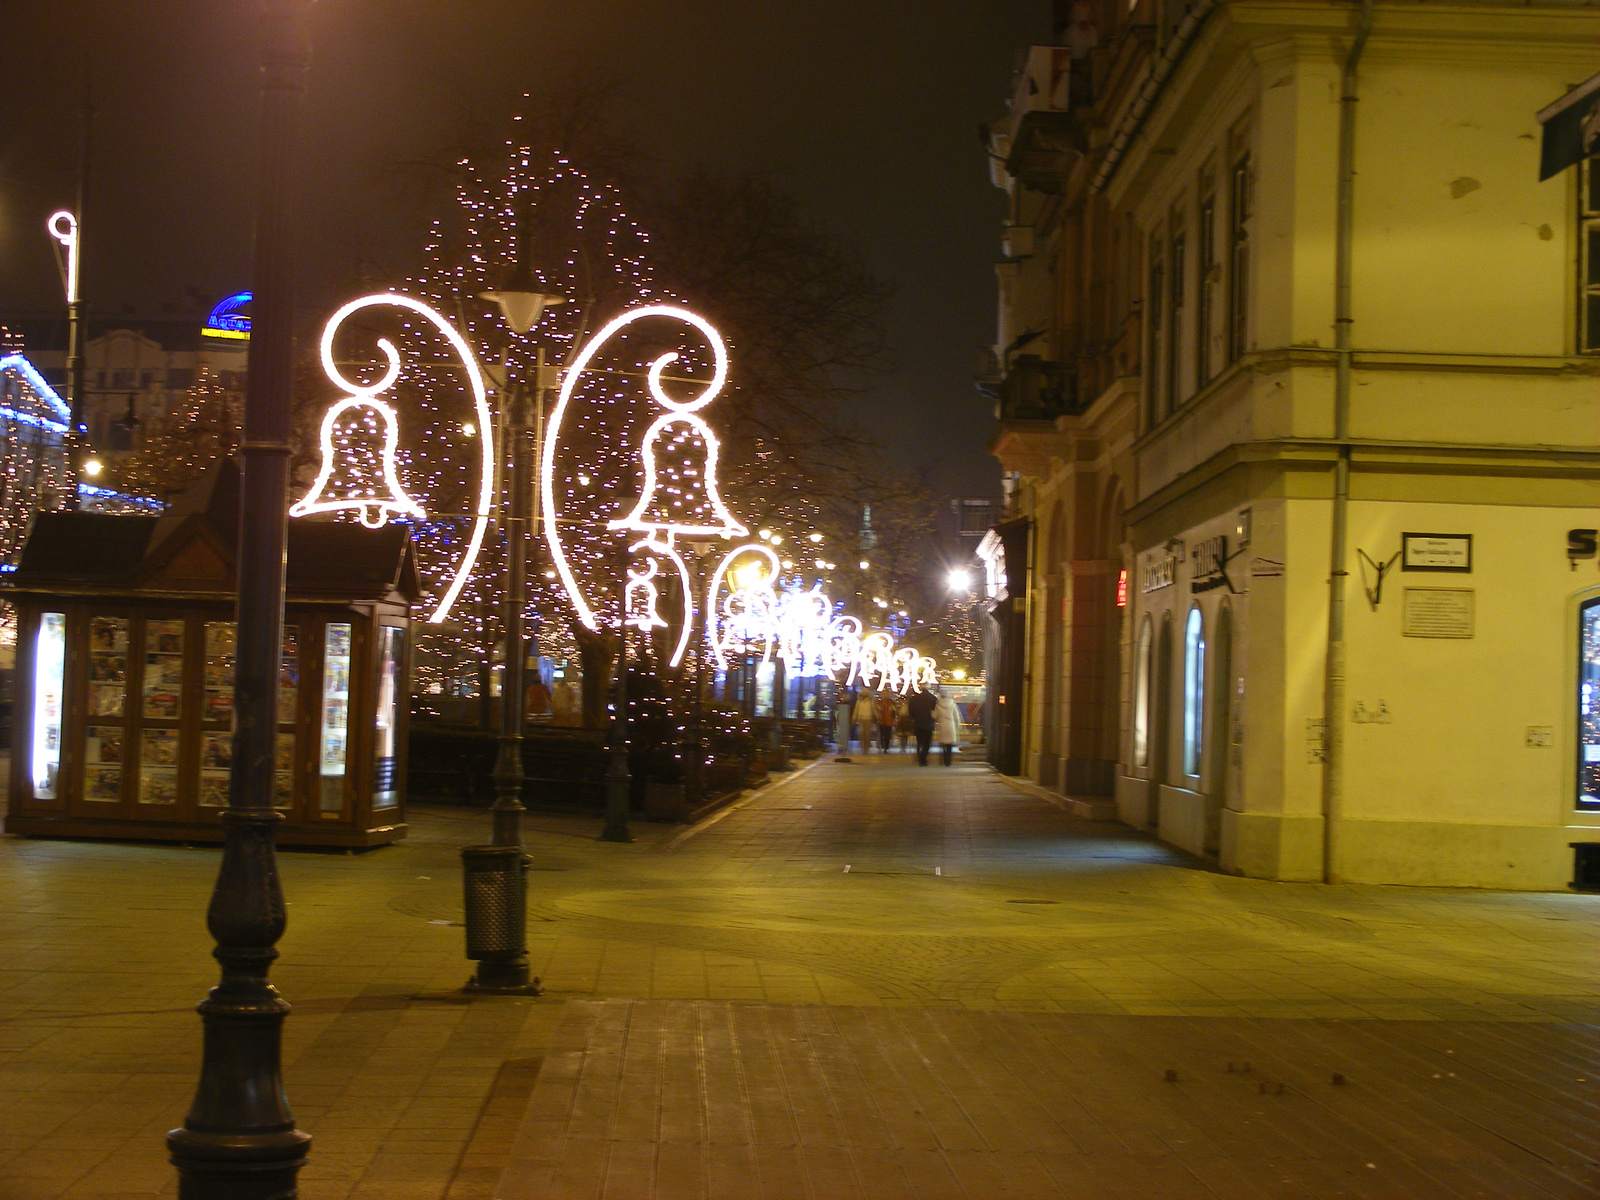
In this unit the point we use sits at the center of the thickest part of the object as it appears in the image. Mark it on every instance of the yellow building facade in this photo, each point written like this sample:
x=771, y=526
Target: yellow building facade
x=1305, y=288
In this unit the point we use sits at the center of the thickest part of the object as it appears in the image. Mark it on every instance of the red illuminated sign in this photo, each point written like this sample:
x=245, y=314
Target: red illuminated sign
x=1122, y=588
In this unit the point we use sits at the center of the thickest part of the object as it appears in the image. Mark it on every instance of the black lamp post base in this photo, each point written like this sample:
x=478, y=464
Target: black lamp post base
x=220, y=1166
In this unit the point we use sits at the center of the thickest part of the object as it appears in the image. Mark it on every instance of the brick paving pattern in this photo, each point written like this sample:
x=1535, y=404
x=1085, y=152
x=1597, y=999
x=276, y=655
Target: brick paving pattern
x=969, y=907
x=750, y=1102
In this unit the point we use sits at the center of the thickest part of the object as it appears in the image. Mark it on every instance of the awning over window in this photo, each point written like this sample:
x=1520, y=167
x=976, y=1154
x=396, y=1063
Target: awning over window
x=1571, y=128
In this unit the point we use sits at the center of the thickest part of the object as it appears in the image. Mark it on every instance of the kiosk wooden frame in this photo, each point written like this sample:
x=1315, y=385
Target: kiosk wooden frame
x=124, y=700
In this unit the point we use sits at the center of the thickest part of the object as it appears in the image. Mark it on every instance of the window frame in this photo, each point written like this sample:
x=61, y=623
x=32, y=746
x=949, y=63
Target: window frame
x=1205, y=282
x=1241, y=210
x=1177, y=248
x=1155, y=315
x=1588, y=210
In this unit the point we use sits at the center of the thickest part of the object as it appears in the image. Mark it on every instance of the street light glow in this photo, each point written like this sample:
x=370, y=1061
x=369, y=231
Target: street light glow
x=960, y=579
x=816, y=537
x=863, y=564
x=92, y=467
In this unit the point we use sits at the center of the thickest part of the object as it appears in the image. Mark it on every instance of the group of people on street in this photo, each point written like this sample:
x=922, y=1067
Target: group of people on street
x=880, y=716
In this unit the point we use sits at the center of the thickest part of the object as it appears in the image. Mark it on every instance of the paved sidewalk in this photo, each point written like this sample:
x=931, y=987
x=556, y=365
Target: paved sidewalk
x=762, y=1102
x=965, y=902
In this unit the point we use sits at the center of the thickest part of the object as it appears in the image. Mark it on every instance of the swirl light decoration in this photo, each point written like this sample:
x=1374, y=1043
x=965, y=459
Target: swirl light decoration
x=366, y=395
x=739, y=620
x=659, y=532
x=799, y=625
x=63, y=226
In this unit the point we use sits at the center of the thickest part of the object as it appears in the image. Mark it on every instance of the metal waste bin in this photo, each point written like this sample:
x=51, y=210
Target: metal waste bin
x=495, y=902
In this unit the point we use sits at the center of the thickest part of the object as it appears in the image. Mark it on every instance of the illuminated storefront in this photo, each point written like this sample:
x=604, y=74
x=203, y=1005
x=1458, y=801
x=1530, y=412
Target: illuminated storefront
x=124, y=711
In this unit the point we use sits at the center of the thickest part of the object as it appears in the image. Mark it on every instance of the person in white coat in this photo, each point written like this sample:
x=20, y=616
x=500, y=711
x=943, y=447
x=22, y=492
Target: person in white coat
x=866, y=717
x=946, y=726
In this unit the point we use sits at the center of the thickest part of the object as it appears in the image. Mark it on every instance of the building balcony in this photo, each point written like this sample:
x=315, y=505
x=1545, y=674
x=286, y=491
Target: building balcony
x=1035, y=389
x=1045, y=146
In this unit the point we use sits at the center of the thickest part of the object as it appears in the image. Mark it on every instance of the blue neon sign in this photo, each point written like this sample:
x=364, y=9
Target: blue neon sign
x=226, y=321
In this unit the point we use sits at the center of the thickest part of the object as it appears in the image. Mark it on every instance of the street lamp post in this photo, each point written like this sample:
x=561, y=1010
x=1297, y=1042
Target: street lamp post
x=619, y=782
x=496, y=882
x=239, y=1140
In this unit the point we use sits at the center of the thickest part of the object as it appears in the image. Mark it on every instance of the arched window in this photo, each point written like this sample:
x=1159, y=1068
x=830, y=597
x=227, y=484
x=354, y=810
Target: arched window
x=1194, y=690
x=1141, y=695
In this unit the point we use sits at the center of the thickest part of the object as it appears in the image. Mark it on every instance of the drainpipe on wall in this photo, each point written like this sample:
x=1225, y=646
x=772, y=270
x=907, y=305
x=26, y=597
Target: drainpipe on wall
x=1026, y=723
x=1334, y=679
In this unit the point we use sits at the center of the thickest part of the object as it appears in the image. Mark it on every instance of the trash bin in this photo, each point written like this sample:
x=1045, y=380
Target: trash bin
x=496, y=900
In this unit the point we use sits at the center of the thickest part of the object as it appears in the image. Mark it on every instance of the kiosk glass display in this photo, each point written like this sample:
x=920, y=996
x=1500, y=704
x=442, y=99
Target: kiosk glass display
x=386, y=752
x=50, y=670
x=335, y=716
x=105, y=730
x=216, y=747
x=158, y=766
x=163, y=669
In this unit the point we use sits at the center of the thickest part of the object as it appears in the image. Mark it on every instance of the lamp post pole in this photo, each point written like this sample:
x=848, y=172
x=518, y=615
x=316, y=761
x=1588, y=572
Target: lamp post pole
x=495, y=876
x=619, y=783
x=239, y=1141
x=508, y=773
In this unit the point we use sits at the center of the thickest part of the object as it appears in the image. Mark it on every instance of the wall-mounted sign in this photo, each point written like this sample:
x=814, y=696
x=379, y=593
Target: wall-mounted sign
x=1437, y=613
x=1581, y=543
x=1210, y=559
x=227, y=321
x=1265, y=568
x=1122, y=588
x=1159, y=574
x=1436, y=552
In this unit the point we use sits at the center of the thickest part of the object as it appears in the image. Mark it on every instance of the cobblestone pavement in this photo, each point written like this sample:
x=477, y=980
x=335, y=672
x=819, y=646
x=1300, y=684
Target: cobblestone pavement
x=949, y=901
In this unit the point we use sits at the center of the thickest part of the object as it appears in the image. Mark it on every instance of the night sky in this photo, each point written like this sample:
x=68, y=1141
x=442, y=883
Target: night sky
x=866, y=111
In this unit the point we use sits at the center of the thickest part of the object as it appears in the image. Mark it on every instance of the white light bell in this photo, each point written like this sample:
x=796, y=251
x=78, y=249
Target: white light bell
x=345, y=482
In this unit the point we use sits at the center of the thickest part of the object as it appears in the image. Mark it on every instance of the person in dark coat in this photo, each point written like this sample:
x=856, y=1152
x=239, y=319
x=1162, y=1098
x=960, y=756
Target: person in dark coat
x=921, y=706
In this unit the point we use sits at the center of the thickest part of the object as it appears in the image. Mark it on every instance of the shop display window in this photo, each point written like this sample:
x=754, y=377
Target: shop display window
x=1194, y=690
x=335, y=717
x=1589, y=705
x=1141, y=695
x=386, y=748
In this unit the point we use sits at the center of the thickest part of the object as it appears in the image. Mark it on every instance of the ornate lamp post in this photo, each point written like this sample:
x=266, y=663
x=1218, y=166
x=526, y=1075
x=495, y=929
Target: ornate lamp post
x=495, y=881
x=239, y=1141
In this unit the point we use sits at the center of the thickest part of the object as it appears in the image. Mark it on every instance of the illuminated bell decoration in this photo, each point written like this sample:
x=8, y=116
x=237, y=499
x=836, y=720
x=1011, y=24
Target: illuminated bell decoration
x=343, y=484
x=680, y=482
x=373, y=509
x=641, y=596
x=679, y=495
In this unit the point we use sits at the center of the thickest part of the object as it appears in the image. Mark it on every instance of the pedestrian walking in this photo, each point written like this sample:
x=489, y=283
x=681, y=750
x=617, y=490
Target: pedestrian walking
x=922, y=705
x=946, y=726
x=902, y=723
x=866, y=716
x=883, y=710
